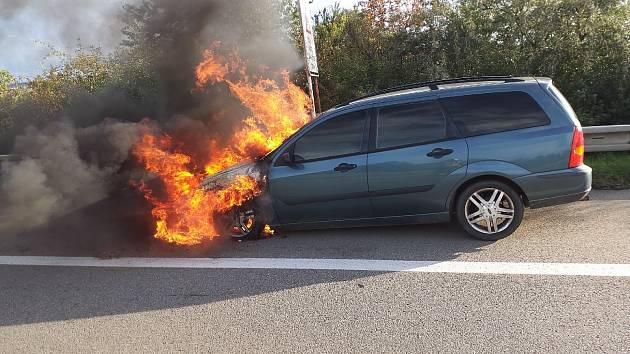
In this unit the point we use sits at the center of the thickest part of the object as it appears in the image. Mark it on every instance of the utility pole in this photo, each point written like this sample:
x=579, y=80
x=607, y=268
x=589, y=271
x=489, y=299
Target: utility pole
x=310, y=55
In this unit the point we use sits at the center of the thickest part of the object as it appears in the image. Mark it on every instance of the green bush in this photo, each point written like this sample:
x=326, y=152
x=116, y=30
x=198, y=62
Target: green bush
x=611, y=170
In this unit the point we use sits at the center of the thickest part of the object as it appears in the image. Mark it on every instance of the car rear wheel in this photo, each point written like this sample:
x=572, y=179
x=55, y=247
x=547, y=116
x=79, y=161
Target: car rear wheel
x=243, y=222
x=490, y=210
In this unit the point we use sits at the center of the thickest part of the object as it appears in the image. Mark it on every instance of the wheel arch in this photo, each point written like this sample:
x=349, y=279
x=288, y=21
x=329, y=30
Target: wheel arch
x=485, y=177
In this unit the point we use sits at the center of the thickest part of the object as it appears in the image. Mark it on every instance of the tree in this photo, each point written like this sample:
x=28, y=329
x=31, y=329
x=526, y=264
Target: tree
x=8, y=98
x=584, y=45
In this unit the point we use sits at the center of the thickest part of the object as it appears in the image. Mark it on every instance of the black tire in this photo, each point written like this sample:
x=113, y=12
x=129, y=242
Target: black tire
x=493, y=229
x=226, y=224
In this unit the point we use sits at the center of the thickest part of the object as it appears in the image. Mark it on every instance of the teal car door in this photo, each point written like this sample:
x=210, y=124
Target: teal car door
x=415, y=160
x=327, y=179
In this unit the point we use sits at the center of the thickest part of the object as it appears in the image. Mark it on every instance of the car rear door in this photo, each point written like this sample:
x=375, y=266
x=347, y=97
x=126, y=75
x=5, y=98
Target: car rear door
x=415, y=160
x=328, y=180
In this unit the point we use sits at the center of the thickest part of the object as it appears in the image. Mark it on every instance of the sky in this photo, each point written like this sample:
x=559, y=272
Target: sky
x=29, y=28
x=320, y=4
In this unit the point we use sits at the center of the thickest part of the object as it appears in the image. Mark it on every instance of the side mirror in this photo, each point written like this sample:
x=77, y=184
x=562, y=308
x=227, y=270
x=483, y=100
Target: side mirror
x=286, y=159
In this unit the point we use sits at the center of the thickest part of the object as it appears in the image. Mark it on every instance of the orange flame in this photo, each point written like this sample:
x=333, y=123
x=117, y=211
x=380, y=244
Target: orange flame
x=278, y=109
x=184, y=215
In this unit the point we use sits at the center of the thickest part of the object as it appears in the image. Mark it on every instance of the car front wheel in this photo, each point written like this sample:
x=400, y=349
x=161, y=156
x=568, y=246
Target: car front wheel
x=489, y=210
x=243, y=222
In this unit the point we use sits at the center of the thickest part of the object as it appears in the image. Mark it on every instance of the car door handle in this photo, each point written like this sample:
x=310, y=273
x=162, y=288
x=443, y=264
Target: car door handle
x=345, y=167
x=439, y=152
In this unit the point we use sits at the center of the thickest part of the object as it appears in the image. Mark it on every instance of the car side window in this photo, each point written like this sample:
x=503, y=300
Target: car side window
x=494, y=112
x=410, y=124
x=338, y=136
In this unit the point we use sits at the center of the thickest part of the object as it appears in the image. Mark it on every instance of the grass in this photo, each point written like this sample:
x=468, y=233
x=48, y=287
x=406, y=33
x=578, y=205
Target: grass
x=611, y=170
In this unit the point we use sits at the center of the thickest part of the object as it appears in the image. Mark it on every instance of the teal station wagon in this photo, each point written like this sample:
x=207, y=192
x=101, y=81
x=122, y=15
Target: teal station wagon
x=477, y=149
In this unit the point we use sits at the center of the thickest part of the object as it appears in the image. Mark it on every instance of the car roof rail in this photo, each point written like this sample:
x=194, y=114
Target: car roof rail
x=433, y=85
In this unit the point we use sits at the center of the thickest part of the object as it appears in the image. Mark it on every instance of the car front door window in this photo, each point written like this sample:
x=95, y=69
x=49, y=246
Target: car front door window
x=338, y=136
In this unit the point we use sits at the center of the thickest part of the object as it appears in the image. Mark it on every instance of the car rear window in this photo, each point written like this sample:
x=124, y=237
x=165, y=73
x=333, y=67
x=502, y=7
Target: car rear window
x=494, y=112
x=410, y=124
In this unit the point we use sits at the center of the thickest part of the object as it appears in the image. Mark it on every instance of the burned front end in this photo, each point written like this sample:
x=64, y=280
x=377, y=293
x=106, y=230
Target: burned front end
x=224, y=178
x=250, y=208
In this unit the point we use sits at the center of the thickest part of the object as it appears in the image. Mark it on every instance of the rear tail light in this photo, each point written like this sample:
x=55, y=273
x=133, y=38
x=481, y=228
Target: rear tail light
x=577, y=148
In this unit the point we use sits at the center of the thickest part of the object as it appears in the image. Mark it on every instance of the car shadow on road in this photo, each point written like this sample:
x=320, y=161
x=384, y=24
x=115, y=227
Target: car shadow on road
x=120, y=228
x=100, y=229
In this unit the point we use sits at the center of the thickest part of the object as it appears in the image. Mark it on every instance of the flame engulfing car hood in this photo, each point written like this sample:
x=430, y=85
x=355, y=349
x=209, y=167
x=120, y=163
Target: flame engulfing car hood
x=223, y=178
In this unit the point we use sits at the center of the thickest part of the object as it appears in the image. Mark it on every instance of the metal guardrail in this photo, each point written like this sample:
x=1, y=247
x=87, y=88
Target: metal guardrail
x=607, y=138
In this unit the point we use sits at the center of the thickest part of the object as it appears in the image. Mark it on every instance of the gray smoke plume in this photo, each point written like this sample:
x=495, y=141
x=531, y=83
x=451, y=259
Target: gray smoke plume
x=168, y=37
x=70, y=164
x=53, y=178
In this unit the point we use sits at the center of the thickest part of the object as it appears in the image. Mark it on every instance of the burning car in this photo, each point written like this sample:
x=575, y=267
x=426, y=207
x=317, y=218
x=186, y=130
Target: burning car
x=475, y=149
x=186, y=214
x=421, y=153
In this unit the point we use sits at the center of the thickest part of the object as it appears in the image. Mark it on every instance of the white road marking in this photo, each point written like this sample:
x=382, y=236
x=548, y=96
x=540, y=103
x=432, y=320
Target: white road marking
x=574, y=269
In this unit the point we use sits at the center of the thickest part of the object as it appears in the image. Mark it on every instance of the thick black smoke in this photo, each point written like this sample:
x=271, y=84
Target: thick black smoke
x=179, y=31
x=75, y=157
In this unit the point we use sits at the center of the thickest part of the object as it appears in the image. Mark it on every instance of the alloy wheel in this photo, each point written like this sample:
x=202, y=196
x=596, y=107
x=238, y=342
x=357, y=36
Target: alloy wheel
x=489, y=210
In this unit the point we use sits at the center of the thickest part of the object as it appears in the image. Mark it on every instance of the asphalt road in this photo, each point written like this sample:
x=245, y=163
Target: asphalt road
x=75, y=309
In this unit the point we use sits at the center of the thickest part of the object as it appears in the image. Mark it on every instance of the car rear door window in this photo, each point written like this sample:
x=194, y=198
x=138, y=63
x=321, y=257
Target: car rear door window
x=342, y=135
x=494, y=112
x=410, y=124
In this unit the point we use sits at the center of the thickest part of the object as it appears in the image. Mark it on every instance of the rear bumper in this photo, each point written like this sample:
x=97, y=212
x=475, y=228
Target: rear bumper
x=563, y=199
x=556, y=187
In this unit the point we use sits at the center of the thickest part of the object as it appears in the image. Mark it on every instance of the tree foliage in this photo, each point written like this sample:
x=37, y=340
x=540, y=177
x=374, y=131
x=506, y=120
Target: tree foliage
x=584, y=45
x=8, y=98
